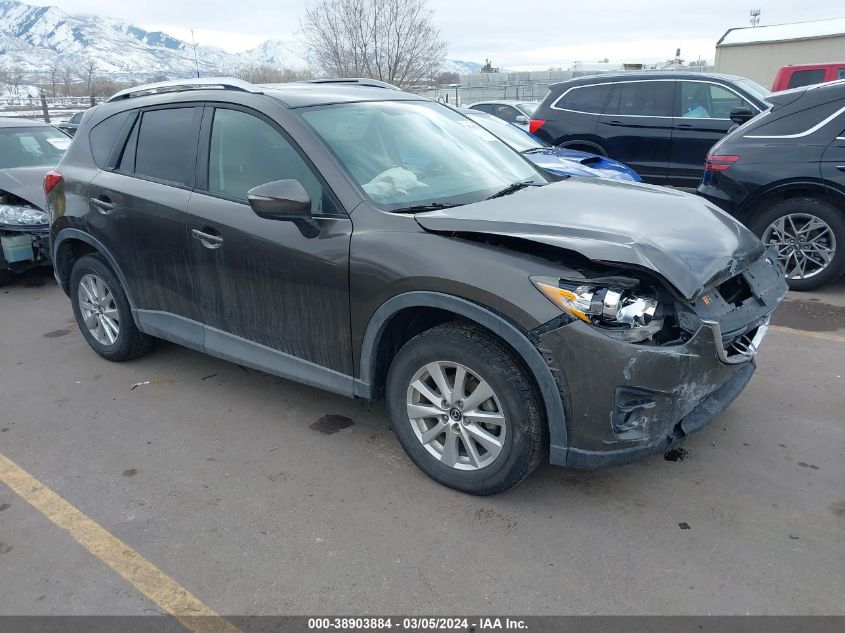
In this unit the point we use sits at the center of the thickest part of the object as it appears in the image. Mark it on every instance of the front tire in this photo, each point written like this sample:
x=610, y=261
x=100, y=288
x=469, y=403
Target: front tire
x=810, y=237
x=102, y=311
x=465, y=410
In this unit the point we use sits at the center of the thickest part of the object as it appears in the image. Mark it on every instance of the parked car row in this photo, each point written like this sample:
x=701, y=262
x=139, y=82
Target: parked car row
x=662, y=124
x=783, y=175
x=28, y=150
x=373, y=243
x=787, y=183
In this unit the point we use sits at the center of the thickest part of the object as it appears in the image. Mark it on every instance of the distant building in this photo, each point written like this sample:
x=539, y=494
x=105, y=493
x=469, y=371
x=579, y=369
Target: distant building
x=759, y=52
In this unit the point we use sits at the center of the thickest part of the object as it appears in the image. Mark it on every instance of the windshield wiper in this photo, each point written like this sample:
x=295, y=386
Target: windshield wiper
x=513, y=188
x=534, y=150
x=419, y=208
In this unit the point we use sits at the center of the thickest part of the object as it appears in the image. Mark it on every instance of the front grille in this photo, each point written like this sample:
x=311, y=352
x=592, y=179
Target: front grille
x=738, y=349
x=742, y=345
x=735, y=290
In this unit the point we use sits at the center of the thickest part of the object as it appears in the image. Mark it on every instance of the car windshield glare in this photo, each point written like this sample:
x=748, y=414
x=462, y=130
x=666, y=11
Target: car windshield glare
x=754, y=88
x=528, y=108
x=31, y=146
x=405, y=153
x=517, y=138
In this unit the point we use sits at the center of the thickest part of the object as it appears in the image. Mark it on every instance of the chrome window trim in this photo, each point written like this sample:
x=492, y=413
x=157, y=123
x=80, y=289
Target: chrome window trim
x=554, y=105
x=813, y=129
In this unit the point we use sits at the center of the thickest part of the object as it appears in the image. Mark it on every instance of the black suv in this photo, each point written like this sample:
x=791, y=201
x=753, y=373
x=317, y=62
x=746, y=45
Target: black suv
x=661, y=124
x=368, y=242
x=783, y=175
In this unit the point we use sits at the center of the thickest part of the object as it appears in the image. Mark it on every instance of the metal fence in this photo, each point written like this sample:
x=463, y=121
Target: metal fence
x=519, y=86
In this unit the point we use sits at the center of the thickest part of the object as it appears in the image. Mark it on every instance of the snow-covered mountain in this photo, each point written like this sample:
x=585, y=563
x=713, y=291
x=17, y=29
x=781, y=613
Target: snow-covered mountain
x=460, y=67
x=34, y=38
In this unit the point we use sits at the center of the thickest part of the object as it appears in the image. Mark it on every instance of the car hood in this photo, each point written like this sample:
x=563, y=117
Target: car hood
x=26, y=183
x=575, y=163
x=681, y=237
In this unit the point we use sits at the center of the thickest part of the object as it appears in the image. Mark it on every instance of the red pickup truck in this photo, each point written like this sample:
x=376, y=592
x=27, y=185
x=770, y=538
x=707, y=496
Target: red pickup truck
x=807, y=74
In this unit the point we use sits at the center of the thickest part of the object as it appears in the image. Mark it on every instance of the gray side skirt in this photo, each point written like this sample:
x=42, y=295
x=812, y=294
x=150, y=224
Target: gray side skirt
x=195, y=335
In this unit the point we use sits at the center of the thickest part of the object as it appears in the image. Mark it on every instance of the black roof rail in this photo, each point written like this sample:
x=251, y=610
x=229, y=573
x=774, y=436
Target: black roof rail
x=180, y=85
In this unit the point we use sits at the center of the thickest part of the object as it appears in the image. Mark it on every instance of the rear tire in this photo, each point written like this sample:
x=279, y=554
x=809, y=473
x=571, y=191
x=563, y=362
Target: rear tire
x=469, y=442
x=789, y=220
x=102, y=311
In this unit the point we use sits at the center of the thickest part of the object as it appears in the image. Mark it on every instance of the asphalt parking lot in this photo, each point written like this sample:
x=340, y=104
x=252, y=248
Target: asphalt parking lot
x=260, y=496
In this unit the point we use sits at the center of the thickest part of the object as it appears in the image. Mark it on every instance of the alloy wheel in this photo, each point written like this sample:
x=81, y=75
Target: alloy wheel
x=99, y=310
x=806, y=244
x=456, y=415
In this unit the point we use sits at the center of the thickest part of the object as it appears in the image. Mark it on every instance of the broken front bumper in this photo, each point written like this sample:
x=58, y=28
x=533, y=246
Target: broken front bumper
x=625, y=401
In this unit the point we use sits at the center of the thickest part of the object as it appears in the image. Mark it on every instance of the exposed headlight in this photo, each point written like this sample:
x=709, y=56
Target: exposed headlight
x=26, y=216
x=599, y=304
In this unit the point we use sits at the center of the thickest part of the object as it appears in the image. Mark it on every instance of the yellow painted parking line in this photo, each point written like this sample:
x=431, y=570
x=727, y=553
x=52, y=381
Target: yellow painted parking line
x=135, y=569
x=826, y=336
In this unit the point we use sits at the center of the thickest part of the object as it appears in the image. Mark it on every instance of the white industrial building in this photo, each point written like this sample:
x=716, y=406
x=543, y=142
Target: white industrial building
x=759, y=52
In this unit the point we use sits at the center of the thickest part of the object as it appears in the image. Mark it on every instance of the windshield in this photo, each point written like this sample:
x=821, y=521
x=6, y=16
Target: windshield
x=411, y=153
x=528, y=108
x=754, y=88
x=520, y=140
x=31, y=146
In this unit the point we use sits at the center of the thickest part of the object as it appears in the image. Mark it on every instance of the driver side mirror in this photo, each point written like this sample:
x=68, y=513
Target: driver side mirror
x=741, y=115
x=280, y=200
x=521, y=118
x=284, y=200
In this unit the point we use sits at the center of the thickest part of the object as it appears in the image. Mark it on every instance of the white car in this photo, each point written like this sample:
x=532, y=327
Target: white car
x=517, y=112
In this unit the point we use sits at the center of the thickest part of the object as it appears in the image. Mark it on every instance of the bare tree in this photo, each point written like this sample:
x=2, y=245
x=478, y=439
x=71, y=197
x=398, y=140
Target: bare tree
x=15, y=77
x=90, y=67
x=268, y=74
x=55, y=71
x=66, y=74
x=391, y=40
x=448, y=78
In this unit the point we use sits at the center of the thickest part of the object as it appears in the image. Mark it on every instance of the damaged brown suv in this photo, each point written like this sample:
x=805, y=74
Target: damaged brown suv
x=374, y=243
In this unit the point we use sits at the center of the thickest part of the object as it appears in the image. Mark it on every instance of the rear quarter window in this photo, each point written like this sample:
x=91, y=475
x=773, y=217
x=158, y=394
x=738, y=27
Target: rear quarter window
x=105, y=135
x=590, y=99
x=801, y=121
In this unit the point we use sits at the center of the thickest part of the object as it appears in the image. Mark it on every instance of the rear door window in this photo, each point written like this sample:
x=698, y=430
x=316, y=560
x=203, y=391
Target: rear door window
x=589, y=99
x=166, y=145
x=642, y=98
x=484, y=107
x=806, y=77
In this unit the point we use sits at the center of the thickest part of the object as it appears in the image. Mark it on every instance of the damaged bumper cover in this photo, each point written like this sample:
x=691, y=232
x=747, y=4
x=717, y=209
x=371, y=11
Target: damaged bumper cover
x=625, y=401
x=626, y=406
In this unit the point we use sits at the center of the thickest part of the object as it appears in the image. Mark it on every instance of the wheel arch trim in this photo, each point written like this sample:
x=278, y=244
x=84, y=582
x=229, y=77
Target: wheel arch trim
x=543, y=378
x=820, y=186
x=76, y=234
x=580, y=143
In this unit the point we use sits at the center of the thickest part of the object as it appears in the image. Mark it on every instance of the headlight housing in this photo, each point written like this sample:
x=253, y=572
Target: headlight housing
x=15, y=215
x=611, y=303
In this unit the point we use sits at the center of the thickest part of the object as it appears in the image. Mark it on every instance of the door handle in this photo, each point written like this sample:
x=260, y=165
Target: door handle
x=683, y=126
x=613, y=122
x=840, y=167
x=104, y=204
x=207, y=239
